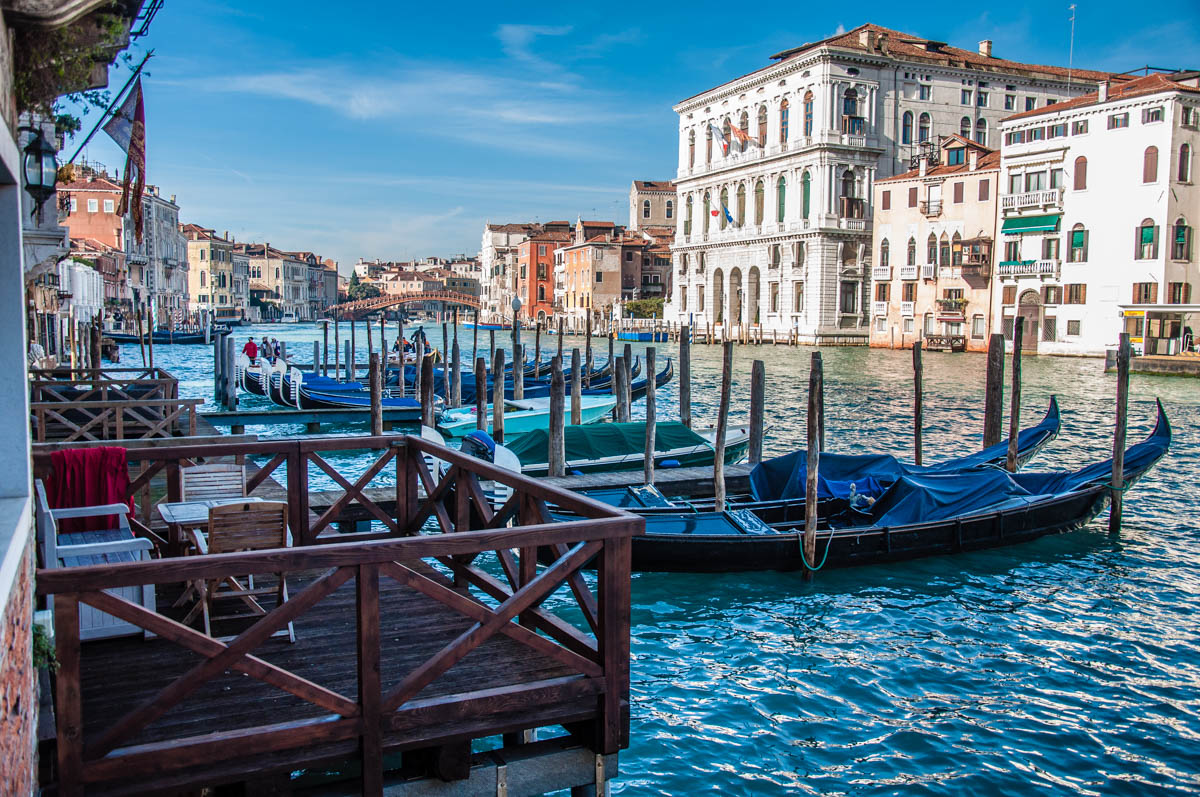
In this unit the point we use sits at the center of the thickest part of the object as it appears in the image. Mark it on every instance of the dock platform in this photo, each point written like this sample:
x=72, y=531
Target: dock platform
x=238, y=420
x=1187, y=364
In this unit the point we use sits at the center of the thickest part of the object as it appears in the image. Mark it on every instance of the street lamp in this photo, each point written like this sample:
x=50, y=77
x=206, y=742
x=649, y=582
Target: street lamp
x=41, y=170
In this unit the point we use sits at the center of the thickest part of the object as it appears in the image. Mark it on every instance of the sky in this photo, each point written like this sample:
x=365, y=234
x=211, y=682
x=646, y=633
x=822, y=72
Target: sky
x=365, y=129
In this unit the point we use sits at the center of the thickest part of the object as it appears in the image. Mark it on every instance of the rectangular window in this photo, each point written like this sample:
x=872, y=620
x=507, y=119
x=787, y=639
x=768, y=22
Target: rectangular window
x=985, y=189
x=1012, y=251
x=109, y=206
x=978, y=327
x=1145, y=292
x=1051, y=294
x=908, y=326
x=1035, y=181
x=958, y=193
x=700, y=299
x=1009, y=294
x=885, y=200
x=883, y=291
x=926, y=92
x=1079, y=128
x=1050, y=249
x=1079, y=241
x=1030, y=103
x=797, y=297
x=1037, y=134
x=774, y=297
x=966, y=96
x=1150, y=115
x=912, y=197
x=1076, y=293
x=1014, y=183
x=908, y=293
x=1179, y=293
x=93, y=206
x=982, y=99
x=1073, y=328
x=1056, y=178
x=881, y=324
x=1118, y=120
x=542, y=250
x=599, y=277
x=1058, y=131
x=1010, y=102
x=956, y=156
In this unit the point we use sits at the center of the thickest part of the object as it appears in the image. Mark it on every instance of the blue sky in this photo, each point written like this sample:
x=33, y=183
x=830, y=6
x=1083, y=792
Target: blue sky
x=351, y=129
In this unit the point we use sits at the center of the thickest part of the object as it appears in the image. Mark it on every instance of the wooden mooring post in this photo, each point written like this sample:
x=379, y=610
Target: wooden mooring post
x=1014, y=413
x=560, y=338
x=618, y=389
x=758, y=390
x=722, y=426
x=1124, y=353
x=481, y=393
x=518, y=372
x=498, y=396
x=316, y=369
x=376, y=395
x=370, y=345
x=576, y=392
x=427, y=391
x=685, y=376
x=918, y=401
x=455, y=368
x=347, y=360
x=651, y=421
x=230, y=382
x=400, y=337
x=558, y=449
x=353, y=358
x=475, y=337
x=587, y=347
x=628, y=369
x=816, y=388
x=993, y=397
x=537, y=351
x=325, y=349
x=337, y=347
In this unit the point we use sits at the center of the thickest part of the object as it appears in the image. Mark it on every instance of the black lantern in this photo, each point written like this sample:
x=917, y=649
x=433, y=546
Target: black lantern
x=41, y=170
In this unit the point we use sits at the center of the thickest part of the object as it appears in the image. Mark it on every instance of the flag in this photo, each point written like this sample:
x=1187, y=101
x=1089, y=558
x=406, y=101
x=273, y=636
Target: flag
x=742, y=136
x=127, y=127
x=720, y=138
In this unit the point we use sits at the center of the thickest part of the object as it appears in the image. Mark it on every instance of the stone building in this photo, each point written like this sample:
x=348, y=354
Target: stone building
x=932, y=245
x=652, y=204
x=535, y=273
x=776, y=169
x=210, y=273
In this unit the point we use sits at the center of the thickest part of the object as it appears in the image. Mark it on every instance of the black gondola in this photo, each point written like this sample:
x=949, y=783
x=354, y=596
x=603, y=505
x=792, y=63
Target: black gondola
x=919, y=515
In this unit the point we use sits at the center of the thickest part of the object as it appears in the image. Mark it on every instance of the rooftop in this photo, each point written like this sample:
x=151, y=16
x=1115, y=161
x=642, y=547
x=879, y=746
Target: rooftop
x=988, y=159
x=1133, y=87
x=661, y=186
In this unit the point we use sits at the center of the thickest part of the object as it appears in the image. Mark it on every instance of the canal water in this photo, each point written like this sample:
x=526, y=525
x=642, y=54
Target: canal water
x=1071, y=663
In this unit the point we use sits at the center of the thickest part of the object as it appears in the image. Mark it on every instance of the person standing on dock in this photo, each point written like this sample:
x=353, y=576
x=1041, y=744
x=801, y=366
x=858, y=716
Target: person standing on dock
x=264, y=348
x=251, y=350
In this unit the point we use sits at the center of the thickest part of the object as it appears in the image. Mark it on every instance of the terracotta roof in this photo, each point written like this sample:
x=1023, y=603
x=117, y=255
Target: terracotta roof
x=98, y=184
x=547, y=236
x=664, y=186
x=990, y=160
x=89, y=245
x=1136, y=87
x=524, y=227
x=201, y=233
x=907, y=46
x=597, y=223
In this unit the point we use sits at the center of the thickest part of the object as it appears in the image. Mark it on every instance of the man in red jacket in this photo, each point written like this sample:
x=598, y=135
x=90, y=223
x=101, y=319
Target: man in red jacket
x=251, y=350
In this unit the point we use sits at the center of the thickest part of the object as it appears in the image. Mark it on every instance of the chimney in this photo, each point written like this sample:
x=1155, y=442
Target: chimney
x=866, y=37
x=985, y=48
x=226, y=235
x=172, y=199
x=973, y=160
x=1102, y=95
x=883, y=42
x=924, y=167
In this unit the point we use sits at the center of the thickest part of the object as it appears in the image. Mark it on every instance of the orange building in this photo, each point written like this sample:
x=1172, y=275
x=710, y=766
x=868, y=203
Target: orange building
x=91, y=203
x=535, y=273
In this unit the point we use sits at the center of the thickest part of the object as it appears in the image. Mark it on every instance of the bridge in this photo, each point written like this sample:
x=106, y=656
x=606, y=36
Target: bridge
x=363, y=307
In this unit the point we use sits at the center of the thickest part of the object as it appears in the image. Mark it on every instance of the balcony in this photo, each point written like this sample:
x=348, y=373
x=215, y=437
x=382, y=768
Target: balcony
x=909, y=272
x=929, y=271
x=879, y=308
x=882, y=273
x=852, y=207
x=954, y=305
x=908, y=309
x=1029, y=268
x=854, y=125
x=1046, y=198
x=932, y=207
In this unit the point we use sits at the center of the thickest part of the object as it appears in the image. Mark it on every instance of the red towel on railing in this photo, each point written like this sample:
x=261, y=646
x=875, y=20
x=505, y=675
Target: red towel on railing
x=88, y=477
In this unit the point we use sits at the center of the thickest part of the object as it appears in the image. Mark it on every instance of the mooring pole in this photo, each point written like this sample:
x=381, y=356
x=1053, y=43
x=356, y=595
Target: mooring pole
x=455, y=369
x=400, y=334
x=427, y=391
x=518, y=371
x=651, y=422
x=481, y=393
x=993, y=397
x=325, y=349
x=337, y=346
x=1014, y=415
x=557, y=452
x=587, y=348
x=353, y=358
x=722, y=427
x=1124, y=353
x=816, y=378
x=498, y=396
x=618, y=388
x=918, y=401
x=560, y=337
x=576, y=393
x=537, y=351
x=376, y=395
x=758, y=389
x=685, y=376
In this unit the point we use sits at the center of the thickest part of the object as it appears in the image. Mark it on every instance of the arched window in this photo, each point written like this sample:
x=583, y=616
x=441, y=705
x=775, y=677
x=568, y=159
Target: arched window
x=691, y=148
x=1080, y=173
x=981, y=132
x=783, y=122
x=1150, y=165
x=1147, y=240
x=759, y=195
x=721, y=219
x=944, y=250
x=202, y=278
x=541, y=293
x=762, y=126
x=956, y=255
x=645, y=208
x=708, y=208
x=780, y=198
x=912, y=252
x=808, y=113
x=744, y=139
x=805, y=194
x=964, y=127
x=687, y=216
x=884, y=253
x=1185, y=163
x=906, y=125
x=931, y=249
x=923, y=127
x=1181, y=240
x=670, y=208
x=725, y=128
x=708, y=144
x=850, y=103
x=848, y=184
x=1077, y=253
x=741, y=205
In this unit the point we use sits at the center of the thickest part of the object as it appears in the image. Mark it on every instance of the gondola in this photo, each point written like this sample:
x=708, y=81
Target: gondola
x=521, y=416
x=917, y=515
x=165, y=337
x=314, y=398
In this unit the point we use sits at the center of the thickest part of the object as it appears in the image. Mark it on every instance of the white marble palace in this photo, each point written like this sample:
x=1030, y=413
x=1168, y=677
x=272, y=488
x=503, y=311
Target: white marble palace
x=776, y=170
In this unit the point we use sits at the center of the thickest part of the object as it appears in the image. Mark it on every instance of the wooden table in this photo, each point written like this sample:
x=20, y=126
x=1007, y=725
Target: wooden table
x=181, y=515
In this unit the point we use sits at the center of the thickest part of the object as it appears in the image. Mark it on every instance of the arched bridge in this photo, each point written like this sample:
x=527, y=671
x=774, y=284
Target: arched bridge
x=364, y=307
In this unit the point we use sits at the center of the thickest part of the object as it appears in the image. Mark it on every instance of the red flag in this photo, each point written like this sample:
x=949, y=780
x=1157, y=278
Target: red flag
x=130, y=121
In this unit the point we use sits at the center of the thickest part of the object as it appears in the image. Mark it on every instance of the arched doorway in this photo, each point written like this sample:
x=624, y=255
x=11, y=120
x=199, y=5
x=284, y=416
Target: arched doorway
x=752, y=294
x=1029, y=307
x=718, y=296
x=735, y=298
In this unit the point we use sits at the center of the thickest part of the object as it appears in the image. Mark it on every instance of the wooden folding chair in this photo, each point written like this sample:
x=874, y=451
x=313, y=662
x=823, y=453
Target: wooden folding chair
x=207, y=482
x=252, y=526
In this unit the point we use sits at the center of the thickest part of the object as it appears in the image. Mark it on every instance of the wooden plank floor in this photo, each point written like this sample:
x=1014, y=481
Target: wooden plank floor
x=120, y=674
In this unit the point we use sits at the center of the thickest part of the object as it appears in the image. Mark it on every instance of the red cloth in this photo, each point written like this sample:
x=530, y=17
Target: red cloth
x=88, y=477
x=250, y=350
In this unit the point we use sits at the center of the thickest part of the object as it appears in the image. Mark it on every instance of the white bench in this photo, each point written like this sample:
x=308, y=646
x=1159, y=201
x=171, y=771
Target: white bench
x=105, y=547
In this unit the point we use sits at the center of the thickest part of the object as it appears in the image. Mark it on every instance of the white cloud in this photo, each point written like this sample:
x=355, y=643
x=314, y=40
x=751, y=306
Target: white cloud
x=517, y=41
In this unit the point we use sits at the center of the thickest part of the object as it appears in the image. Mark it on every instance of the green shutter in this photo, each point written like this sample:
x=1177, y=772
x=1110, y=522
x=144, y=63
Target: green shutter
x=1077, y=239
x=1180, y=234
x=1147, y=235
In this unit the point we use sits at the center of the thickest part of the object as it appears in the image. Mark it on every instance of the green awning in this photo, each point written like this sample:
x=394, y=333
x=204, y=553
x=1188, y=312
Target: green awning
x=1019, y=224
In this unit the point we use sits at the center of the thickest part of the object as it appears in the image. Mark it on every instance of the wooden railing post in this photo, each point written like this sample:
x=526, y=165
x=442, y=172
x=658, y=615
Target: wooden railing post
x=68, y=696
x=612, y=637
x=369, y=688
x=297, y=490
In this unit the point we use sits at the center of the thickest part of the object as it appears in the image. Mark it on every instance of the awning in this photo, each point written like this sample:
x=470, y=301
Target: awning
x=1020, y=224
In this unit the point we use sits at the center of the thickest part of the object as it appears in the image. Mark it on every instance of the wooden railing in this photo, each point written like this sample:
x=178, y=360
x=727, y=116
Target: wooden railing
x=372, y=717
x=141, y=419
x=134, y=388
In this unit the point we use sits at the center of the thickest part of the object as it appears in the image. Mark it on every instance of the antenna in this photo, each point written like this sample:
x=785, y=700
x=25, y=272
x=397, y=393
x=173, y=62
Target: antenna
x=1071, y=52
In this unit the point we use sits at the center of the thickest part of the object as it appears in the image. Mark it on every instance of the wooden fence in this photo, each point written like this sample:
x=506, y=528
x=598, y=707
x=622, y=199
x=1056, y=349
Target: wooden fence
x=68, y=421
x=371, y=718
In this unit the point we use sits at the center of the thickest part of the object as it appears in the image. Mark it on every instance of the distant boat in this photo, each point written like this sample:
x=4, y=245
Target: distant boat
x=523, y=416
x=165, y=337
x=288, y=318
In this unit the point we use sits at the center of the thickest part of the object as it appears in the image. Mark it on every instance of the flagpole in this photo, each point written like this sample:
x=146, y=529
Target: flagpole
x=113, y=104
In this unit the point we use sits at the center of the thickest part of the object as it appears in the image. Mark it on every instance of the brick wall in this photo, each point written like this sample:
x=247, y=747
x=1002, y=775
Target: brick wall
x=18, y=696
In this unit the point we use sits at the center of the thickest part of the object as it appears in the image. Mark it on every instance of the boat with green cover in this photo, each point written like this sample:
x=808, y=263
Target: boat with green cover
x=523, y=416
x=605, y=447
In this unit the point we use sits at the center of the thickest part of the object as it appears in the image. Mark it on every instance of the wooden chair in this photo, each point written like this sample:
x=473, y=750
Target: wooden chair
x=206, y=482
x=105, y=547
x=252, y=526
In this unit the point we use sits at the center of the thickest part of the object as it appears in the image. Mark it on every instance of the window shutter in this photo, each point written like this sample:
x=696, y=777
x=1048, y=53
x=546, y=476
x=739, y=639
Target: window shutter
x=984, y=189
x=912, y=197
x=885, y=200
x=958, y=193
x=1080, y=174
x=1153, y=293
x=1154, y=241
x=1150, y=165
x=1187, y=293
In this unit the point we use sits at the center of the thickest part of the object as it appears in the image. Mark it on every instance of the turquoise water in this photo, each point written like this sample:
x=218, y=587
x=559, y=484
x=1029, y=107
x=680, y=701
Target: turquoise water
x=1067, y=664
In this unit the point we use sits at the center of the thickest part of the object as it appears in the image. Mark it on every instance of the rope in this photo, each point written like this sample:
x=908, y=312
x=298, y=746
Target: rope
x=828, y=545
